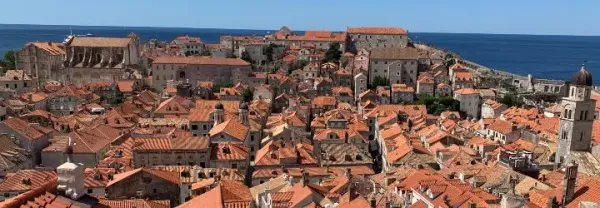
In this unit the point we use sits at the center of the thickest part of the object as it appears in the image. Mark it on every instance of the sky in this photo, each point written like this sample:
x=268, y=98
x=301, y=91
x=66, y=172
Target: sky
x=548, y=17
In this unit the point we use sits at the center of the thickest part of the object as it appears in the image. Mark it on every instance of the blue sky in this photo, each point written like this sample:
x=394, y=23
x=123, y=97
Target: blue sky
x=564, y=17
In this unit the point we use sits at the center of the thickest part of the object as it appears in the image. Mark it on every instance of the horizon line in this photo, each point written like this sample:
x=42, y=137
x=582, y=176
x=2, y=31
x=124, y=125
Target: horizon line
x=266, y=30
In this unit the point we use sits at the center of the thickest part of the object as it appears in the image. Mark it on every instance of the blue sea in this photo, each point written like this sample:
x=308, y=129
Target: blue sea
x=543, y=56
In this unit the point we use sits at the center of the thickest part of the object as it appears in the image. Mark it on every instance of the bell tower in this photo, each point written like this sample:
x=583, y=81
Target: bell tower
x=575, y=133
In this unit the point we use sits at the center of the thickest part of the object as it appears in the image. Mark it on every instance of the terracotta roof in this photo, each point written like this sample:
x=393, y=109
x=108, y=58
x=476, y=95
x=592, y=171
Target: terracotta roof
x=378, y=30
x=359, y=202
x=466, y=91
x=229, y=151
x=35, y=96
x=24, y=128
x=25, y=180
x=463, y=76
x=97, y=177
x=322, y=101
x=166, y=175
x=99, y=42
x=133, y=203
x=402, y=88
x=93, y=139
x=52, y=48
x=199, y=60
x=273, y=152
x=126, y=85
x=232, y=128
x=501, y=126
x=226, y=194
x=171, y=144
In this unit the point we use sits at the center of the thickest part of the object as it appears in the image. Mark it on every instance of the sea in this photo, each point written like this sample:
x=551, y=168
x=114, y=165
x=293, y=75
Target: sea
x=543, y=56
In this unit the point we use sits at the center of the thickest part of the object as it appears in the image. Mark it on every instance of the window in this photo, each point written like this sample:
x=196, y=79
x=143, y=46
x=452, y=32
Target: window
x=581, y=116
x=89, y=191
x=569, y=114
x=204, y=127
x=154, y=190
x=6, y=194
x=251, y=138
x=580, y=136
x=233, y=165
x=586, y=114
x=24, y=84
x=15, y=86
x=194, y=127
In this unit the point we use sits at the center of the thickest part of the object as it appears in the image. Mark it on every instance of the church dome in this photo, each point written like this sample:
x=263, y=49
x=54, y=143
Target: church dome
x=583, y=77
x=219, y=106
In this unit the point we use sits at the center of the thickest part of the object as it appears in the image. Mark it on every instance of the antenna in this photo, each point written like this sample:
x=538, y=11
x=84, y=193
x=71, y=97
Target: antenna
x=71, y=29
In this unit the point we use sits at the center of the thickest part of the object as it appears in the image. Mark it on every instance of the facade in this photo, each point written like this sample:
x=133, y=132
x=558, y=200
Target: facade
x=360, y=84
x=17, y=80
x=190, y=46
x=577, y=118
x=320, y=39
x=90, y=59
x=42, y=60
x=220, y=71
x=151, y=152
x=402, y=93
x=397, y=65
x=376, y=37
x=145, y=183
x=425, y=86
x=492, y=109
x=30, y=137
x=469, y=101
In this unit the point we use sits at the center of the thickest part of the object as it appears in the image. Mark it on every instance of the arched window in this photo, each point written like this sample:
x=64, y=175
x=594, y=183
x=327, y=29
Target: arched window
x=586, y=114
x=359, y=158
x=565, y=114
x=348, y=158
x=581, y=116
x=569, y=114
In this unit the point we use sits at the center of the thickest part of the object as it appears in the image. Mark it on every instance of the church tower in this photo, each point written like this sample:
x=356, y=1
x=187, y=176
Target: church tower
x=576, y=121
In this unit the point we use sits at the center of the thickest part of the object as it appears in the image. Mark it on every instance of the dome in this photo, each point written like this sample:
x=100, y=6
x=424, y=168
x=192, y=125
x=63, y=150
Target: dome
x=583, y=77
x=244, y=106
x=219, y=106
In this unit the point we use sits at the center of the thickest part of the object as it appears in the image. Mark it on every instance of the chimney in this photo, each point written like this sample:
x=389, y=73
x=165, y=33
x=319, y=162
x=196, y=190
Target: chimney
x=304, y=177
x=569, y=183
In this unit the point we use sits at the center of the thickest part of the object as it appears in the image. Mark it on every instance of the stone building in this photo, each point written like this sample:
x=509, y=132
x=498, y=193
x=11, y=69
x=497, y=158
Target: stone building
x=398, y=65
x=194, y=69
x=575, y=133
x=360, y=84
x=30, y=137
x=320, y=39
x=90, y=59
x=492, y=109
x=42, y=60
x=425, y=86
x=376, y=37
x=469, y=101
x=145, y=183
x=150, y=152
x=17, y=80
x=190, y=46
x=402, y=93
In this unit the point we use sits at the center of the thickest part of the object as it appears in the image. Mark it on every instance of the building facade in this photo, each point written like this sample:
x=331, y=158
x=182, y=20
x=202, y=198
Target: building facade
x=376, y=37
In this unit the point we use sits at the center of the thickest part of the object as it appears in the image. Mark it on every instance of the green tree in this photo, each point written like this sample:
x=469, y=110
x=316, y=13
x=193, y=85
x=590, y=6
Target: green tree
x=246, y=56
x=206, y=53
x=379, y=81
x=511, y=100
x=9, y=60
x=344, y=62
x=333, y=53
x=217, y=87
x=268, y=51
x=248, y=94
x=437, y=105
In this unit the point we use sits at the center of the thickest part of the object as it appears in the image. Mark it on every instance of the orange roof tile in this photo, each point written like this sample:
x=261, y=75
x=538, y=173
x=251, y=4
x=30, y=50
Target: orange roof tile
x=171, y=144
x=229, y=151
x=463, y=76
x=52, y=48
x=24, y=128
x=199, y=60
x=25, y=180
x=166, y=175
x=232, y=128
x=466, y=91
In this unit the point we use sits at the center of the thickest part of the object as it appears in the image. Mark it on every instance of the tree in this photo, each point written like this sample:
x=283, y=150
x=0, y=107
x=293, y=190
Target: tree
x=333, y=53
x=344, y=62
x=437, y=105
x=9, y=61
x=511, y=100
x=248, y=94
x=206, y=53
x=246, y=56
x=268, y=51
x=379, y=81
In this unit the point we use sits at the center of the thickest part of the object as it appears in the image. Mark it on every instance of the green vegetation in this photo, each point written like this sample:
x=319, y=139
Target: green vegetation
x=511, y=100
x=9, y=61
x=437, y=105
x=248, y=94
x=379, y=81
x=206, y=53
x=297, y=65
x=246, y=57
x=333, y=53
x=344, y=62
x=268, y=51
x=217, y=87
